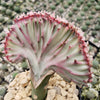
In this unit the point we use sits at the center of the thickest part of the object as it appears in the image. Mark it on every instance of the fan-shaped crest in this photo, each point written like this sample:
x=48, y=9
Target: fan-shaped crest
x=49, y=43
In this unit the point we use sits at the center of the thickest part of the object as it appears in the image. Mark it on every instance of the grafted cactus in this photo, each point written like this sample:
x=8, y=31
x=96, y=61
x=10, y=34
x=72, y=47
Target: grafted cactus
x=50, y=45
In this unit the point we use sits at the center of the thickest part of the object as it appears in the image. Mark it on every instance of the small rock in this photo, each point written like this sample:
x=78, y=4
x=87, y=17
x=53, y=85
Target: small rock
x=52, y=81
x=70, y=90
x=59, y=97
x=63, y=92
x=18, y=67
x=75, y=97
x=69, y=95
x=10, y=68
x=27, y=98
x=24, y=82
x=12, y=91
x=58, y=90
x=67, y=87
x=9, y=96
x=18, y=97
x=22, y=93
x=28, y=89
x=76, y=91
x=51, y=94
x=1, y=73
x=49, y=87
x=8, y=78
x=12, y=84
x=63, y=83
x=58, y=77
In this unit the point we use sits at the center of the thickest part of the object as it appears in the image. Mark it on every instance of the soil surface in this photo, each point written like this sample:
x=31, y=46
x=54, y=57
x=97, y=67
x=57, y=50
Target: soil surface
x=58, y=89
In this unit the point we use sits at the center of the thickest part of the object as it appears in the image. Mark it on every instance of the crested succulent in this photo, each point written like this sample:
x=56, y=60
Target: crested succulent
x=49, y=44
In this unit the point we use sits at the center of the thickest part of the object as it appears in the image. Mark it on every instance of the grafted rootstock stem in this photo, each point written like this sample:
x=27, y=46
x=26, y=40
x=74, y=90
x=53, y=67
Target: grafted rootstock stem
x=40, y=92
x=48, y=43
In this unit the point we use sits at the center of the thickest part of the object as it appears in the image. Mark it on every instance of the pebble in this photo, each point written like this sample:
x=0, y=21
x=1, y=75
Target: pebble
x=8, y=78
x=10, y=68
x=51, y=94
x=63, y=83
x=9, y=96
x=59, y=97
x=58, y=89
x=63, y=92
x=18, y=67
x=1, y=73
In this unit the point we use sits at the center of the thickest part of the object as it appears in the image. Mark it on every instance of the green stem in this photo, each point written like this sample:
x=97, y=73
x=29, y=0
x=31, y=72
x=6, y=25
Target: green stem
x=41, y=91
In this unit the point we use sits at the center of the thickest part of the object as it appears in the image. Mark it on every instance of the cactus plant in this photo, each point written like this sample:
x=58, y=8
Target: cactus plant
x=93, y=12
x=75, y=9
x=57, y=3
x=89, y=4
x=97, y=7
x=1, y=28
x=94, y=33
x=17, y=9
x=9, y=22
x=87, y=23
x=90, y=17
x=8, y=12
x=70, y=2
x=61, y=10
x=81, y=1
x=3, y=9
x=3, y=4
x=92, y=0
x=53, y=7
x=95, y=63
x=98, y=19
x=84, y=27
x=78, y=4
x=65, y=6
x=82, y=14
x=79, y=18
x=49, y=45
x=92, y=93
x=10, y=5
x=97, y=27
x=1, y=19
x=70, y=14
x=85, y=8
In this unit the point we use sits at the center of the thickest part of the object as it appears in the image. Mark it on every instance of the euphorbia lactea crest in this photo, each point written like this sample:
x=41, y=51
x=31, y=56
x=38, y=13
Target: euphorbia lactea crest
x=50, y=45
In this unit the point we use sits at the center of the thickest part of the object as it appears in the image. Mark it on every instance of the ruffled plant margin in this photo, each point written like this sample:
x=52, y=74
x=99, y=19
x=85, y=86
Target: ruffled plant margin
x=49, y=45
